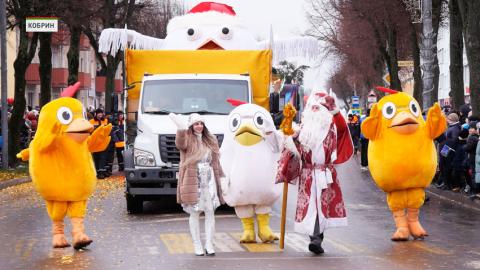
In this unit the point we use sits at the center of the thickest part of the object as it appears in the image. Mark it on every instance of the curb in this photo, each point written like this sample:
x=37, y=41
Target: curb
x=455, y=198
x=14, y=182
x=448, y=196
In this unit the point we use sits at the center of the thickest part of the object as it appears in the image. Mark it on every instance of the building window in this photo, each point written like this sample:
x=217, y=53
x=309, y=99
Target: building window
x=30, y=99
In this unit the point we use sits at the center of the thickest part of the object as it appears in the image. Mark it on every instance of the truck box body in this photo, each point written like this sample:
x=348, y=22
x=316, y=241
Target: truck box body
x=257, y=64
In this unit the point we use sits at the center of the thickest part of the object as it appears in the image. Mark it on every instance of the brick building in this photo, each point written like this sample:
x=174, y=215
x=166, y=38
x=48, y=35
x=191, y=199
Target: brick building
x=92, y=90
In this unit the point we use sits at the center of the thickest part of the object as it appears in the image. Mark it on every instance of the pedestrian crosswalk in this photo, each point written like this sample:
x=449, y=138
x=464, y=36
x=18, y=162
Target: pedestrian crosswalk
x=180, y=243
x=225, y=242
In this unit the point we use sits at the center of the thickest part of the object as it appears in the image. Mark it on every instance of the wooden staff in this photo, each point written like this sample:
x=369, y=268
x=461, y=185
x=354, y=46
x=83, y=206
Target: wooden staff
x=289, y=113
x=284, y=215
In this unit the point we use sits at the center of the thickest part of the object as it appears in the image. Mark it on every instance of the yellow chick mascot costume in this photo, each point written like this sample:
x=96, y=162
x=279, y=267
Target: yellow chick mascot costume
x=402, y=157
x=61, y=165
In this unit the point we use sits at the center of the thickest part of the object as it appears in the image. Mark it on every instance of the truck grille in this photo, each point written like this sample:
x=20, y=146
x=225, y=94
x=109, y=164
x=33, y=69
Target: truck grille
x=170, y=153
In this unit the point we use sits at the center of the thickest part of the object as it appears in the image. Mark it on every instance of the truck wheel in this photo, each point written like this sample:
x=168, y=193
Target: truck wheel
x=134, y=204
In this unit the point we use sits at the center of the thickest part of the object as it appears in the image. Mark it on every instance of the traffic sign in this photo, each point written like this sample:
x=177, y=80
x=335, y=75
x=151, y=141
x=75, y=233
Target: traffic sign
x=357, y=111
x=386, y=79
x=355, y=100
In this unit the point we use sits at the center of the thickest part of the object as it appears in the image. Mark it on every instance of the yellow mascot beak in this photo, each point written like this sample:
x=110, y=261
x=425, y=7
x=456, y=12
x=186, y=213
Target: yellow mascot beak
x=79, y=130
x=404, y=123
x=248, y=135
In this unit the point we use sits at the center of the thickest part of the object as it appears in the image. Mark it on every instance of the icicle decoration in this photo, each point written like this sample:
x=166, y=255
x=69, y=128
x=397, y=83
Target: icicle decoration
x=305, y=47
x=112, y=40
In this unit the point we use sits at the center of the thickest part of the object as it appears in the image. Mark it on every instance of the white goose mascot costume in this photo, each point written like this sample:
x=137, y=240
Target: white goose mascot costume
x=249, y=156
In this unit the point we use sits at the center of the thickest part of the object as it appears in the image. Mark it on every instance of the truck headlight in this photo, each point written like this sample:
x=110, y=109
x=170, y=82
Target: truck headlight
x=143, y=158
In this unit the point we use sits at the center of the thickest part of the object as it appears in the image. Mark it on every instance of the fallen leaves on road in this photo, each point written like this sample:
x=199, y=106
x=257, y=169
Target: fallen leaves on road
x=67, y=259
x=108, y=185
x=19, y=193
x=13, y=174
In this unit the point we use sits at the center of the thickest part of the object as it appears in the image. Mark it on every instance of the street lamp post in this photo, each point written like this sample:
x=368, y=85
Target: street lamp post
x=428, y=54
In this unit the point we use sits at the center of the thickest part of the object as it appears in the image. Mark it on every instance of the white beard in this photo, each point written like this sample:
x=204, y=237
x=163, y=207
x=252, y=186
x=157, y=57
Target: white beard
x=315, y=127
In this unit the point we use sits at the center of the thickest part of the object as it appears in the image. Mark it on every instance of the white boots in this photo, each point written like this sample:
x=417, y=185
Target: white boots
x=195, y=231
x=209, y=233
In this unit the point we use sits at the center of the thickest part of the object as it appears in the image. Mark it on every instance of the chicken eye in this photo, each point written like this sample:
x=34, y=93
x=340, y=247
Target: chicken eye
x=414, y=108
x=389, y=110
x=226, y=33
x=64, y=115
x=259, y=119
x=193, y=34
x=234, y=122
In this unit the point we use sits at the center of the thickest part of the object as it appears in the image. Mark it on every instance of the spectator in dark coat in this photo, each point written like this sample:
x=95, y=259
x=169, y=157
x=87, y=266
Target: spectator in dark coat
x=449, y=148
x=119, y=139
x=471, y=150
x=364, y=145
x=354, y=127
x=459, y=163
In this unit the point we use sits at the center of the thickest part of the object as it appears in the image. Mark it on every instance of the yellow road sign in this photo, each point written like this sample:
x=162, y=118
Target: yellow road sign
x=408, y=63
x=386, y=78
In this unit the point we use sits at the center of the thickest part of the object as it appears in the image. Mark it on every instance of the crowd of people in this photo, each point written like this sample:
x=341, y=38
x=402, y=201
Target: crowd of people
x=458, y=151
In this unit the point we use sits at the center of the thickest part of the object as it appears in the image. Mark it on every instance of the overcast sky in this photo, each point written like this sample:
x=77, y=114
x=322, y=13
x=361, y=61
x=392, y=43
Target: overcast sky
x=287, y=17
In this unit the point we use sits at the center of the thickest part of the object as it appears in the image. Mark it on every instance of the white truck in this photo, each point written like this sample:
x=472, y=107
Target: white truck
x=151, y=158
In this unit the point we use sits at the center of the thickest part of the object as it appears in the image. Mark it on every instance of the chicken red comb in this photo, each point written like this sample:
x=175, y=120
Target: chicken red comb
x=386, y=90
x=71, y=90
x=235, y=102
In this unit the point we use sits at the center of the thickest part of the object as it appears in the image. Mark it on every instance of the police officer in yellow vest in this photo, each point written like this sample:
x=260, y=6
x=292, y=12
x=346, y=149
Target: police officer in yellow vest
x=99, y=158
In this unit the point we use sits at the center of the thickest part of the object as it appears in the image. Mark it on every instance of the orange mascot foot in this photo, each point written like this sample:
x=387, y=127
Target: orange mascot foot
x=80, y=239
x=402, y=232
x=414, y=225
x=59, y=240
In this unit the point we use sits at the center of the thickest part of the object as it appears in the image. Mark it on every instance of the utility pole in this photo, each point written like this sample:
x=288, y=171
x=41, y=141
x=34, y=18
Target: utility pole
x=428, y=54
x=4, y=91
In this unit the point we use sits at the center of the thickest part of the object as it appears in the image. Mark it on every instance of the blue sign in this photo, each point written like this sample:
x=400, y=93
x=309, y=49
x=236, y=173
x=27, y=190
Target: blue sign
x=355, y=100
x=357, y=111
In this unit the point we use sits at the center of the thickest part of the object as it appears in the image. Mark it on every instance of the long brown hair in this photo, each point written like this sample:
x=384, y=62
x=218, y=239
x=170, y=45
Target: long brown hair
x=195, y=150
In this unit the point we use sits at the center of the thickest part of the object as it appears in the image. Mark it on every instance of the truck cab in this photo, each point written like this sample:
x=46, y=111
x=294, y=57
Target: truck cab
x=151, y=162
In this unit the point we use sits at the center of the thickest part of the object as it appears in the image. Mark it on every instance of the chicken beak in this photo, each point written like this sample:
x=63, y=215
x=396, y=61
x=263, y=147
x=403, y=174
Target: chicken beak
x=211, y=45
x=248, y=135
x=79, y=130
x=404, y=123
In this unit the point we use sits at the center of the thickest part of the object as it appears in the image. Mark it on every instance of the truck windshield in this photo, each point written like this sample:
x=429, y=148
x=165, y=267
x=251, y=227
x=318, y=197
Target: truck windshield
x=208, y=96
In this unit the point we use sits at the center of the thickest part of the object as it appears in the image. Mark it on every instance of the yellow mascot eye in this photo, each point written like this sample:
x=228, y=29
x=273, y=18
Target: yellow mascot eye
x=414, y=108
x=64, y=115
x=389, y=110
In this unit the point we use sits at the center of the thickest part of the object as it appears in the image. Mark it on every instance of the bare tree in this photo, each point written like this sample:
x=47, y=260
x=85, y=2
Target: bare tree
x=456, y=55
x=366, y=34
x=469, y=10
x=339, y=84
x=153, y=18
x=137, y=15
x=17, y=11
